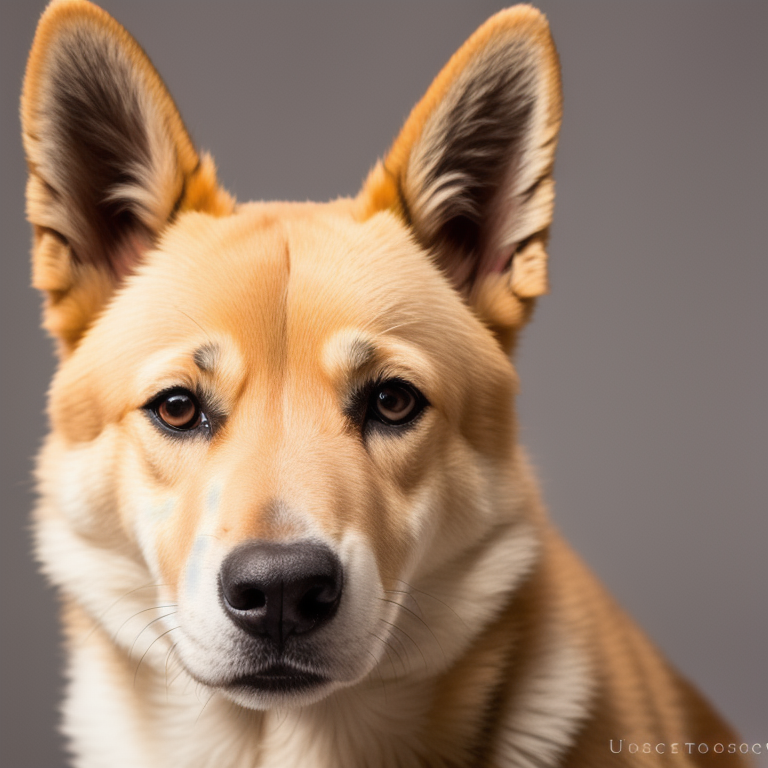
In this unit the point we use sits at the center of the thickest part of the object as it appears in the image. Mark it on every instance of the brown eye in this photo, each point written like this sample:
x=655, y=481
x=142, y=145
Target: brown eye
x=395, y=402
x=179, y=410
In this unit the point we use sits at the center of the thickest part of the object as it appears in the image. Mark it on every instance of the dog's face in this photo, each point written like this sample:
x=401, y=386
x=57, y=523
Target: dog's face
x=275, y=419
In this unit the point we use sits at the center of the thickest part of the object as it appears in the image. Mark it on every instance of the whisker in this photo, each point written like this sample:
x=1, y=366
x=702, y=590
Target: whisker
x=177, y=676
x=136, y=639
x=99, y=619
x=190, y=318
x=153, y=608
x=387, y=648
x=418, y=618
x=415, y=644
x=136, y=673
x=399, y=325
x=167, y=659
x=436, y=599
x=407, y=594
x=400, y=644
x=208, y=701
x=378, y=672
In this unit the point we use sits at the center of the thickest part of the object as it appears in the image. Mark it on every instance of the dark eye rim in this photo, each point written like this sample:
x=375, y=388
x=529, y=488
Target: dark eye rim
x=202, y=423
x=373, y=415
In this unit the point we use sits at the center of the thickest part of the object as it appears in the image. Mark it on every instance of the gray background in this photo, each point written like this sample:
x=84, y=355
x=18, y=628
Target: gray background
x=644, y=373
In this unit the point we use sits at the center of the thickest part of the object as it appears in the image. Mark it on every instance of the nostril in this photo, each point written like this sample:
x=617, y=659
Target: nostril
x=313, y=597
x=318, y=601
x=246, y=598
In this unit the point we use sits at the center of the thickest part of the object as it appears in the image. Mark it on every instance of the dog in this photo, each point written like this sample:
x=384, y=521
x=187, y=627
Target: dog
x=282, y=497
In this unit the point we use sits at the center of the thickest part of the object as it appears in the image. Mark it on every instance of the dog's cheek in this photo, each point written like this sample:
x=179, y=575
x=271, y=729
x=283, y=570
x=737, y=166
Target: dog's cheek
x=81, y=478
x=459, y=504
x=397, y=503
x=159, y=486
x=405, y=460
x=420, y=476
x=432, y=479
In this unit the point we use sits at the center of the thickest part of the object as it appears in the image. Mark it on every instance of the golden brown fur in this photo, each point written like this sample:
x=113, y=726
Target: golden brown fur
x=468, y=634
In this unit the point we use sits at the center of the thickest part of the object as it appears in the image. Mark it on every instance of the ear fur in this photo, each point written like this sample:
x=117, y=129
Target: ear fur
x=471, y=171
x=110, y=162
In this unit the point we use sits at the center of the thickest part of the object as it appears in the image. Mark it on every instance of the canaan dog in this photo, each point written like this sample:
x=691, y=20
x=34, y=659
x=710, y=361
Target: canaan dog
x=282, y=496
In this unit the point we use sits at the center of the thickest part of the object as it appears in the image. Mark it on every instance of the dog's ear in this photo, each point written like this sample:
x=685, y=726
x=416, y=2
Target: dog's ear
x=471, y=171
x=110, y=162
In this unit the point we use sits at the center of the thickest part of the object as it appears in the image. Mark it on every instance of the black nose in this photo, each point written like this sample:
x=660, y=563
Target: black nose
x=275, y=590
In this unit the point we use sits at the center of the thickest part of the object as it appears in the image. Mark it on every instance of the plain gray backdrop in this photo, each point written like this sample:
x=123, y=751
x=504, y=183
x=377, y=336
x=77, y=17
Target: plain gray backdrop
x=644, y=373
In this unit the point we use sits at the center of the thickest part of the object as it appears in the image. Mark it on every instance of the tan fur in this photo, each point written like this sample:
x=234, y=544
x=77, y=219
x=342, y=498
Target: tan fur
x=468, y=634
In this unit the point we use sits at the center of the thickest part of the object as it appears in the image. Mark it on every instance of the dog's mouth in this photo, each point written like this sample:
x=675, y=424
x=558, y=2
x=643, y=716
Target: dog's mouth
x=278, y=678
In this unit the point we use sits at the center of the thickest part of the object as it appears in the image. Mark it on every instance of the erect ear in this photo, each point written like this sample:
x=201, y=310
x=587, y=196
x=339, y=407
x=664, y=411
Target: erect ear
x=471, y=171
x=110, y=162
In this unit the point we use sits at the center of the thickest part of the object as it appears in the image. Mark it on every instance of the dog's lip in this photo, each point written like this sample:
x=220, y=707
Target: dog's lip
x=279, y=678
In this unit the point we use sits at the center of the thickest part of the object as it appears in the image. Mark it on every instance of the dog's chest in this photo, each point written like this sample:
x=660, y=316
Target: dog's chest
x=184, y=727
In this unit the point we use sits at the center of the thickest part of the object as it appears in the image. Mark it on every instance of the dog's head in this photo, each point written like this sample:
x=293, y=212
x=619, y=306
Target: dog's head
x=291, y=424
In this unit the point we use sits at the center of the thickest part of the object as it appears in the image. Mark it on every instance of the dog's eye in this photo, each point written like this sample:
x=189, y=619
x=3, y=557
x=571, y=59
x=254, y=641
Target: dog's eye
x=395, y=402
x=178, y=409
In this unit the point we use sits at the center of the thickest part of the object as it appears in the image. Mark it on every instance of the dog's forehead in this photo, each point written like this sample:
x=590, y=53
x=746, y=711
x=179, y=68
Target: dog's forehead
x=288, y=279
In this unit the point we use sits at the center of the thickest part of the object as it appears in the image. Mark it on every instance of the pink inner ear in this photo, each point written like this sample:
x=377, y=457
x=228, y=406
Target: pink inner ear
x=466, y=271
x=129, y=253
x=494, y=257
x=494, y=262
